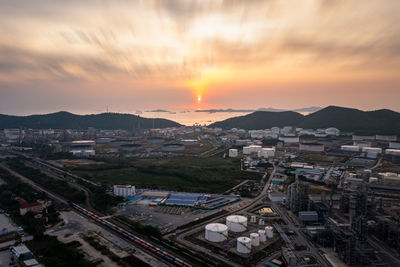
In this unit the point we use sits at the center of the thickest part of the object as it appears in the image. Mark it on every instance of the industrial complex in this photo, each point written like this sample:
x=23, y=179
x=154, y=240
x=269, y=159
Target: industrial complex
x=303, y=197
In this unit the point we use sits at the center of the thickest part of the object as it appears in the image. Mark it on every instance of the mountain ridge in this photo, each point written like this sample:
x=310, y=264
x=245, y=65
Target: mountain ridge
x=382, y=121
x=68, y=120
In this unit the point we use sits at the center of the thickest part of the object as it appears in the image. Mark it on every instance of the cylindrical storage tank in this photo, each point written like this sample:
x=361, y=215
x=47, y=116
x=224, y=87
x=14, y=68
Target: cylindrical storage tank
x=261, y=221
x=255, y=239
x=216, y=232
x=261, y=233
x=269, y=231
x=253, y=219
x=236, y=223
x=243, y=245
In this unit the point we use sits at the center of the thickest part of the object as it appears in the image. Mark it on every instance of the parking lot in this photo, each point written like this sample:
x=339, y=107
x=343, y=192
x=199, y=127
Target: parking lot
x=167, y=218
x=5, y=258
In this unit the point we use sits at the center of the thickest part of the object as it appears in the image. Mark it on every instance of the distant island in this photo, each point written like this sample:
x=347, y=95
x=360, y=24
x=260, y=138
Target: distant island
x=309, y=109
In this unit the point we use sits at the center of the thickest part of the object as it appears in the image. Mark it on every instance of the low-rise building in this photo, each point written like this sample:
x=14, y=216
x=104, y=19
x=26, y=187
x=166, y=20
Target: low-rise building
x=311, y=147
x=34, y=207
x=124, y=190
x=308, y=216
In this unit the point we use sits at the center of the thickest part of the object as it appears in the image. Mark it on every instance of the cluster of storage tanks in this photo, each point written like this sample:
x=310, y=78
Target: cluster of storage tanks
x=218, y=232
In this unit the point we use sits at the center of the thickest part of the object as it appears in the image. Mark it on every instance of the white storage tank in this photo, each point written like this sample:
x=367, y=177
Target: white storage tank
x=236, y=223
x=253, y=219
x=255, y=239
x=233, y=153
x=243, y=245
x=262, y=235
x=332, y=131
x=216, y=232
x=261, y=221
x=269, y=231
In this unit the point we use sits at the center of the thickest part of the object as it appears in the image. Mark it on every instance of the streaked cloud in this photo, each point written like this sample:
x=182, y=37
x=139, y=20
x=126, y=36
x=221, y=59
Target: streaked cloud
x=210, y=47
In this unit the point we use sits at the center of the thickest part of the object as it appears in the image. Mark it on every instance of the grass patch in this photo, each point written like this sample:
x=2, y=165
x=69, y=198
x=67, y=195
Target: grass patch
x=52, y=252
x=181, y=174
x=319, y=158
x=60, y=187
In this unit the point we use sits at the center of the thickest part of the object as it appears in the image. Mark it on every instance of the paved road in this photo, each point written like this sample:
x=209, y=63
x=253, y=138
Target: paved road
x=386, y=253
x=34, y=185
x=189, y=231
x=61, y=199
x=301, y=237
x=76, y=223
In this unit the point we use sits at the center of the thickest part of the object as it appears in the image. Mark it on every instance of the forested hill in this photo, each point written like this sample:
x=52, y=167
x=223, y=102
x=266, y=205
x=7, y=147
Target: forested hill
x=66, y=120
x=346, y=119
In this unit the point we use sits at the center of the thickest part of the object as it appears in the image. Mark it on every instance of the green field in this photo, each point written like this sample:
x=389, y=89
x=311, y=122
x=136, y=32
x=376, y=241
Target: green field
x=181, y=174
x=315, y=157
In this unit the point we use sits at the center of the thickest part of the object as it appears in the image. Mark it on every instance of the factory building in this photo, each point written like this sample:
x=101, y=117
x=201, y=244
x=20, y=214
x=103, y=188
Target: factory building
x=394, y=145
x=350, y=148
x=363, y=137
x=82, y=148
x=311, y=147
x=289, y=139
x=243, y=142
x=124, y=190
x=24, y=257
x=389, y=177
x=266, y=152
x=387, y=138
x=362, y=143
x=394, y=152
x=308, y=216
x=298, y=196
x=289, y=257
x=247, y=150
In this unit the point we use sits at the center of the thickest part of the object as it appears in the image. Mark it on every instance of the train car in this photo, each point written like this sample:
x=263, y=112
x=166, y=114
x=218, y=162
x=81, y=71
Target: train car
x=140, y=242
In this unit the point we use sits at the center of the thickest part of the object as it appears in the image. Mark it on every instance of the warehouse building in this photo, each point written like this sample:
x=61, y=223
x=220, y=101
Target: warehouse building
x=308, y=216
x=350, y=148
x=124, y=190
x=311, y=147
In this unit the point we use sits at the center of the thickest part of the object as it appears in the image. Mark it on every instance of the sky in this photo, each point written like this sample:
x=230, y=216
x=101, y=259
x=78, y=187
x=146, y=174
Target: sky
x=85, y=56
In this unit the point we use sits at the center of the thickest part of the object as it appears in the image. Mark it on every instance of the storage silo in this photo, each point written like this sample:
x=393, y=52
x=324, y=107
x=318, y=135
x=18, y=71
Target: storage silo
x=216, y=232
x=269, y=231
x=236, y=223
x=253, y=219
x=243, y=245
x=261, y=233
x=255, y=239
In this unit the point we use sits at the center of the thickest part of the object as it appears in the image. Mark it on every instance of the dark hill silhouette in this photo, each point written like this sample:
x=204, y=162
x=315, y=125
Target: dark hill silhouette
x=382, y=121
x=66, y=120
